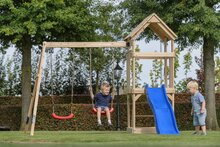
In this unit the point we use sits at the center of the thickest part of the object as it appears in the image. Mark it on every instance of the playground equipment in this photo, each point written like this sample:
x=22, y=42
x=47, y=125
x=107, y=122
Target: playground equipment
x=165, y=34
x=163, y=113
x=160, y=29
x=94, y=110
x=54, y=115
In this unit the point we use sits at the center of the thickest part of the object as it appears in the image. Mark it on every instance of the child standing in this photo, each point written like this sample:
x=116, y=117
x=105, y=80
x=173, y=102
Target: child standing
x=102, y=100
x=198, y=108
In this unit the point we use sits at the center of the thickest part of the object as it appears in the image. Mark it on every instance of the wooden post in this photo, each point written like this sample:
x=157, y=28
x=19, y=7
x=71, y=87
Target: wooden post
x=36, y=96
x=133, y=86
x=171, y=62
x=128, y=111
x=171, y=73
x=133, y=112
x=165, y=63
x=128, y=70
x=30, y=109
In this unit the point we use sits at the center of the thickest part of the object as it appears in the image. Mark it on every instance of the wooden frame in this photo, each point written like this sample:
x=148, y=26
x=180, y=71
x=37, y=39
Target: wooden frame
x=85, y=44
x=32, y=112
x=165, y=34
x=133, y=93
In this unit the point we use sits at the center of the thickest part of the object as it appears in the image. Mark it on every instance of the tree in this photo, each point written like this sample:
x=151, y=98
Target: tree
x=29, y=23
x=2, y=74
x=217, y=74
x=196, y=23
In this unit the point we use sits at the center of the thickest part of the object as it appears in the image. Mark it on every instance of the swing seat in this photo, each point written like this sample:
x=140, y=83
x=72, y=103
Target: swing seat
x=62, y=117
x=94, y=110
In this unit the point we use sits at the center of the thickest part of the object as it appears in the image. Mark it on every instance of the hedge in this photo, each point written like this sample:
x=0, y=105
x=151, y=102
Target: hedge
x=10, y=113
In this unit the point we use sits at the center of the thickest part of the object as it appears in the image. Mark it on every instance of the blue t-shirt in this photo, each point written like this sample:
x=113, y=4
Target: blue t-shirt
x=197, y=100
x=102, y=100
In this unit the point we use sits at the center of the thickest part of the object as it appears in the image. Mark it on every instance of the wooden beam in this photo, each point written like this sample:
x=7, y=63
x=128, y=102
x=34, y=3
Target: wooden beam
x=128, y=111
x=139, y=130
x=136, y=34
x=137, y=28
x=166, y=27
x=157, y=31
x=133, y=65
x=170, y=96
x=84, y=44
x=171, y=62
x=152, y=55
x=144, y=115
x=165, y=63
x=141, y=90
x=137, y=97
x=133, y=86
x=165, y=30
x=133, y=111
x=30, y=109
x=36, y=96
x=128, y=71
x=154, y=20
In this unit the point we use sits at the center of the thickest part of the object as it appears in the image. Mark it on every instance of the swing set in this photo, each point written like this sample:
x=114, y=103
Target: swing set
x=132, y=91
x=35, y=95
x=94, y=109
x=54, y=115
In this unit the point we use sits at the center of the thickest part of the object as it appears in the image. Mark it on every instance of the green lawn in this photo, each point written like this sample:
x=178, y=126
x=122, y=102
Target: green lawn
x=101, y=138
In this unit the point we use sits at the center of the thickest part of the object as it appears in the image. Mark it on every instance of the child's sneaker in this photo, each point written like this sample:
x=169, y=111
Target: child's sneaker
x=203, y=133
x=109, y=123
x=99, y=124
x=195, y=133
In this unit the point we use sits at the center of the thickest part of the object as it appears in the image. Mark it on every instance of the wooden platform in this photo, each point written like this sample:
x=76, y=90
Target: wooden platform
x=141, y=91
x=140, y=130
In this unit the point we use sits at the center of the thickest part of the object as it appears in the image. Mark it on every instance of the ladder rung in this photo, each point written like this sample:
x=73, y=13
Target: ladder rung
x=144, y=115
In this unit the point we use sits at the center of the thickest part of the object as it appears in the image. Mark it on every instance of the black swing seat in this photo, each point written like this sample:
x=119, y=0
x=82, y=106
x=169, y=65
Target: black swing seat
x=62, y=117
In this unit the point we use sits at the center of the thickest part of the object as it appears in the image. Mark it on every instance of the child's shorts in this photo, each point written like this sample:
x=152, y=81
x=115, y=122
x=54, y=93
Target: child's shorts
x=103, y=108
x=199, y=119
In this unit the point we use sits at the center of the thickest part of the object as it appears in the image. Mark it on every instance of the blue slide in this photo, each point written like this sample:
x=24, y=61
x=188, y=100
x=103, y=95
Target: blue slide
x=163, y=112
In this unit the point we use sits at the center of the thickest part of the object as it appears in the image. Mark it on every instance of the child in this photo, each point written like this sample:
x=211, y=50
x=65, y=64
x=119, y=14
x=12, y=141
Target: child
x=102, y=100
x=198, y=108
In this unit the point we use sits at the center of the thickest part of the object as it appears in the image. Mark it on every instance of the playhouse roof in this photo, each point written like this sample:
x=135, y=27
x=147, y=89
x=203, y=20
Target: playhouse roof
x=156, y=25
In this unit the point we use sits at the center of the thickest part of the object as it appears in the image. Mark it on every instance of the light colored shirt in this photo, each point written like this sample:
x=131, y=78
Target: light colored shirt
x=196, y=101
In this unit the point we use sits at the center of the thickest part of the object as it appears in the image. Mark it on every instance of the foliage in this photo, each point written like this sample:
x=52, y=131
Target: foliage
x=2, y=74
x=156, y=73
x=84, y=119
x=187, y=62
x=181, y=86
x=176, y=63
x=190, y=19
x=11, y=74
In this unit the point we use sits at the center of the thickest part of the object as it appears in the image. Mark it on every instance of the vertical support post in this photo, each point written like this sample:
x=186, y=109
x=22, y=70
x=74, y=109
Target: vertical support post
x=30, y=109
x=128, y=70
x=171, y=62
x=133, y=86
x=36, y=96
x=165, y=63
x=171, y=73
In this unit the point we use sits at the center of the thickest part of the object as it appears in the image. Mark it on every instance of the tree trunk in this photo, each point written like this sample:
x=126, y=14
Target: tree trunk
x=209, y=67
x=26, y=79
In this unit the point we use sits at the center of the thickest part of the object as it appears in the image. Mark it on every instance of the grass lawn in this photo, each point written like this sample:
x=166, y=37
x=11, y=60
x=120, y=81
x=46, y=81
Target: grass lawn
x=101, y=138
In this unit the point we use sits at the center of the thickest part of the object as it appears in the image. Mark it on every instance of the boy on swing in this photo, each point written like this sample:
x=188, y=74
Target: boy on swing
x=102, y=100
